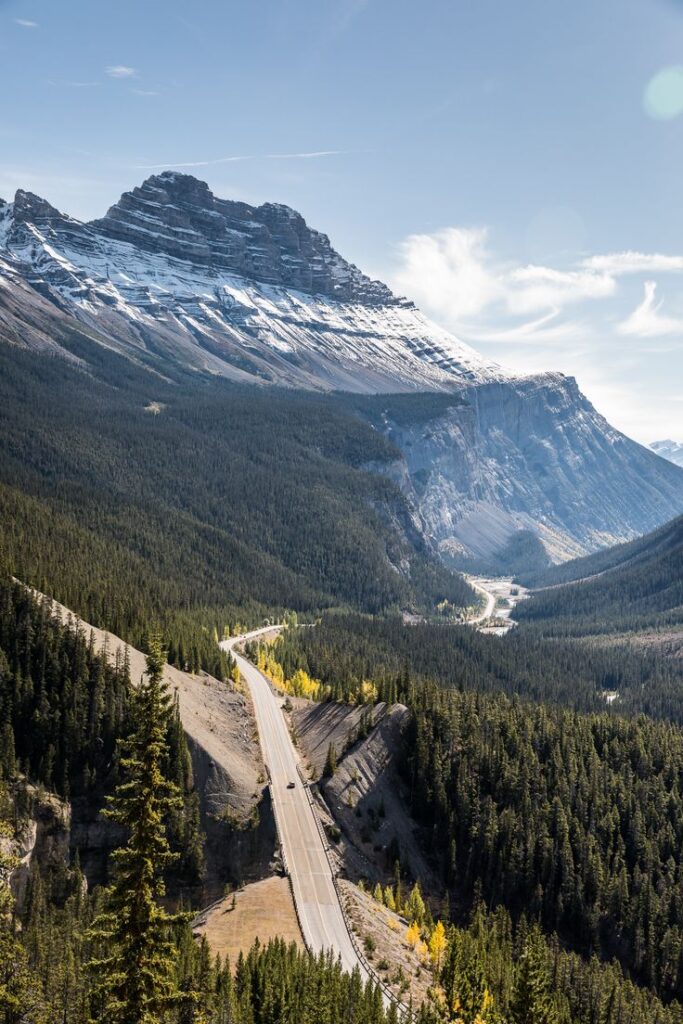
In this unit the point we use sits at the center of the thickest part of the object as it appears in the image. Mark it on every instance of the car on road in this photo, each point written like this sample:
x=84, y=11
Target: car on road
x=291, y=785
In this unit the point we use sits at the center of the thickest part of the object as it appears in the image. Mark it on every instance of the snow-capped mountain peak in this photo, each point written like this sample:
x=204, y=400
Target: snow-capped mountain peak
x=250, y=292
x=671, y=450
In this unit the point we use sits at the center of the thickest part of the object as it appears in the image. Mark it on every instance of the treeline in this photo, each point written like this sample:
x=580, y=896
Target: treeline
x=660, y=541
x=344, y=650
x=229, y=503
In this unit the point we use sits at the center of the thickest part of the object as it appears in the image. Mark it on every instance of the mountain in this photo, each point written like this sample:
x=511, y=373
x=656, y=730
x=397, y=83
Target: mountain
x=633, y=586
x=671, y=450
x=175, y=279
x=173, y=273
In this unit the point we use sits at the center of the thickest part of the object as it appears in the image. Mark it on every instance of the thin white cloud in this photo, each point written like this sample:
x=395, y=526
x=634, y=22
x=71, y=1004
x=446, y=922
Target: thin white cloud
x=145, y=92
x=306, y=156
x=544, y=330
x=120, y=71
x=632, y=262
x=25, y=23
x=191, y=163
x=240, y=158
x=647, y=320
x=72, y=85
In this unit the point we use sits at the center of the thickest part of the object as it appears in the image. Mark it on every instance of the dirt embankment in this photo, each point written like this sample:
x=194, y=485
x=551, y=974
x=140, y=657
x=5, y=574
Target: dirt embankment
x=366, y=799
x=216, y=718
x=382, y=933
x=226, y=759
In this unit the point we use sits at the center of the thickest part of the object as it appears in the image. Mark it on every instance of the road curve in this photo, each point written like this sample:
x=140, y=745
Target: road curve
x=315, y=895
x=488, y=607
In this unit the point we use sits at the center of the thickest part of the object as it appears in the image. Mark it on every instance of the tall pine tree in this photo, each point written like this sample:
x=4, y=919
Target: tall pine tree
x=135, y=977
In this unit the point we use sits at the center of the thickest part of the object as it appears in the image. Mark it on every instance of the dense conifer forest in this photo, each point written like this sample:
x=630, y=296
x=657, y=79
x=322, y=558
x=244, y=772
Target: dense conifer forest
x=345, y=649
x=198, y=504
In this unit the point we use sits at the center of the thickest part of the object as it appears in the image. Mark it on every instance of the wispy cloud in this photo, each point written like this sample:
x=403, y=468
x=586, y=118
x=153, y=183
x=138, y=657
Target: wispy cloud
x=120, y=71
x=25, y=23
x=647, y=320
x=631, y=262
x=145, y=92
x=315, y=154
x=306, y=156
x=573, y=317
x=191, y=163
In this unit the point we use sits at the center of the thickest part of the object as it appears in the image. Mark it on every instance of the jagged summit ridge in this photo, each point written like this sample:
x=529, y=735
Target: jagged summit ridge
x=178, y=215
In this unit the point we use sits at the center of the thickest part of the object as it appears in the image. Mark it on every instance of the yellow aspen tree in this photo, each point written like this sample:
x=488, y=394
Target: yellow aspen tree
x=437, y=945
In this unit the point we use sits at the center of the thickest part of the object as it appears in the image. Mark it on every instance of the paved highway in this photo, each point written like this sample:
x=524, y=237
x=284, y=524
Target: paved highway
x=320, y=914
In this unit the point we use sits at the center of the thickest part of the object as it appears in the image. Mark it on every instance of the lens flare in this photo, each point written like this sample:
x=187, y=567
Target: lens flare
x=663, y=98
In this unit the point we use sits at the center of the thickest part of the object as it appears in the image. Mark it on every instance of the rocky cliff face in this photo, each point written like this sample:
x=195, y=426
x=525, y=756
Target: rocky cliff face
x=175, y=276
x=176, y=215
x=528, y=455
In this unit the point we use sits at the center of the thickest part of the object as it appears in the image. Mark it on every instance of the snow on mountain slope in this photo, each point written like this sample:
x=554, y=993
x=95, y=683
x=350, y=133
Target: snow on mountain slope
x=174, y=276
x=671, y=450
x=225, y=287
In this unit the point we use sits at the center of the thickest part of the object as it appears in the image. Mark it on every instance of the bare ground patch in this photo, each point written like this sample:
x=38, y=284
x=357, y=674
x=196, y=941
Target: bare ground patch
x=364, y=805
x=263, y=910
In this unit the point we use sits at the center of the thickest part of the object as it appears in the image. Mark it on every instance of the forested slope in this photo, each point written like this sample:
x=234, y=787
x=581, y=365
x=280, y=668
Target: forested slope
x=629, y=587
x=563, y=814
x=345, y=649
x=131, y=498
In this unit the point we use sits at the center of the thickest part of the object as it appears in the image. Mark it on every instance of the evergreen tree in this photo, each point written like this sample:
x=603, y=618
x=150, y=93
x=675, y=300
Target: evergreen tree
x=135, y=978
x=330, y=762
x=532, y=998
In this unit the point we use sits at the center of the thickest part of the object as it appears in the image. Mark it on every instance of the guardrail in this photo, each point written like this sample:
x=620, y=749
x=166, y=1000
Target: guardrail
x=406, y=1012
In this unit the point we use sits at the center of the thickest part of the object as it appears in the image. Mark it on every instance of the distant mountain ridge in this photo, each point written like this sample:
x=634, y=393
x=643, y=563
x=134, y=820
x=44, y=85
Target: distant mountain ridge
x=671, y=450
x=173, y=277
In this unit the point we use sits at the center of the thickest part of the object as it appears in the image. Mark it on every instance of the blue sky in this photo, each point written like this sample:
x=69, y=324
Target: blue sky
x=515, y=168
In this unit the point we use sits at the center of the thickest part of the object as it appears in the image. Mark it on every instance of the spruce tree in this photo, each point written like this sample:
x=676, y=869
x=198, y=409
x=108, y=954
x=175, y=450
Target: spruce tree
x=532, y=999
x=330, y=762
x=135, y=979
